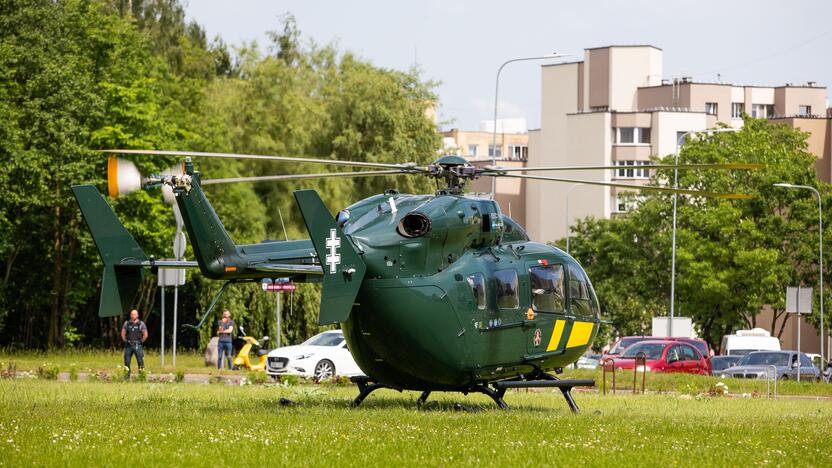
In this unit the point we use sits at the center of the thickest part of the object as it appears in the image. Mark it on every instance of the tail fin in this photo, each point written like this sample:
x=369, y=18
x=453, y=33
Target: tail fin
x=120, y=282
x=343, y=268
x=213, y=247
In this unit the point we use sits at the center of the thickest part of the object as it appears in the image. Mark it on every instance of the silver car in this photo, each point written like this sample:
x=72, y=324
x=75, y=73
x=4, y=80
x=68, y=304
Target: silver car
x=758, y=365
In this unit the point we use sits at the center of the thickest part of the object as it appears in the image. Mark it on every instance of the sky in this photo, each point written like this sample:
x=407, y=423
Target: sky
x=461, y=44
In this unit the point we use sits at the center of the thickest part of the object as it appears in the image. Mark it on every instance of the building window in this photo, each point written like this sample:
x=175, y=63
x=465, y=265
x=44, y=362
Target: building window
x=762, y=111
x=491, y=152
x=625, y=201
x=631, y=170
x=472, y=150
x=632, y=135
x=626, y=135
x=711, y=108
x=518, y=152
x=804, y=111
x=737, y=109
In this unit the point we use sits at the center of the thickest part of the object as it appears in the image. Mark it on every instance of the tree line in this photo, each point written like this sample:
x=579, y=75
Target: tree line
x=81, y=75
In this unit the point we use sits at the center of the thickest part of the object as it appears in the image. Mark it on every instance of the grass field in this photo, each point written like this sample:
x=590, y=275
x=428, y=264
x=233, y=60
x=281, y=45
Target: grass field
x=79, y=423
x=193, y=363
x=91, y=360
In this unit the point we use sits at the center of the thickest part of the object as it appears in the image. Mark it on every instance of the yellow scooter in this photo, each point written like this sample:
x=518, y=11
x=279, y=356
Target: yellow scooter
x=242, y=360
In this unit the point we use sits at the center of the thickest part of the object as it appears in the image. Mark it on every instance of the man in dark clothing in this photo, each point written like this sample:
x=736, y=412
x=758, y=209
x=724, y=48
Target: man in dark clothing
x=133, y=333
x=224, y=331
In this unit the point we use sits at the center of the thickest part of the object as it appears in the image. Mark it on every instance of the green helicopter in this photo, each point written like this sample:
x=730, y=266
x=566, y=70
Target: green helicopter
x=436, y=292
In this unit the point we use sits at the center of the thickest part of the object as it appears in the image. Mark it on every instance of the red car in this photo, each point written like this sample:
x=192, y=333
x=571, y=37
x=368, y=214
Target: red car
x=625, y=342
x=665, y=356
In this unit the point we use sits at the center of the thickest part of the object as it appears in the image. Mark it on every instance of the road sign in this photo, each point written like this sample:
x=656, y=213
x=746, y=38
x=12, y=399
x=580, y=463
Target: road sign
x=799, y=300
x=278, y=287
x=171, y=277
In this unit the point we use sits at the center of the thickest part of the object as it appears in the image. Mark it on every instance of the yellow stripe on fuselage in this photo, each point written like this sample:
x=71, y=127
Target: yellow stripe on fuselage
x=557, y=332
x=581, y=332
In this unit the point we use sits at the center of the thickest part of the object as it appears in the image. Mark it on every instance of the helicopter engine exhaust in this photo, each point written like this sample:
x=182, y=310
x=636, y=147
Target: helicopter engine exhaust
x=414, y=225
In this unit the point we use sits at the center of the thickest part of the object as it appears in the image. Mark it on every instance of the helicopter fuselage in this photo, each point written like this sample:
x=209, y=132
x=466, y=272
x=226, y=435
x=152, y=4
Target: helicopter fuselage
x=470, y=299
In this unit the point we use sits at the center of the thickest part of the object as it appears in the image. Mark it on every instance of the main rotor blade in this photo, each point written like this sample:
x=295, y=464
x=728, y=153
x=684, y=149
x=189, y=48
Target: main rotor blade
x=718, y=166
x=407, y=166
x=232, y=180
x=728, y=196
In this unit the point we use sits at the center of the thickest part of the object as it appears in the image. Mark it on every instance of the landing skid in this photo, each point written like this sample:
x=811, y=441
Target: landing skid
x=367, y=386
x=548, y=380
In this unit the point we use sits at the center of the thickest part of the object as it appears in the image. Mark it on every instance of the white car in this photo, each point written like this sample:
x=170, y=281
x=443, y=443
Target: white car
x=321, y=357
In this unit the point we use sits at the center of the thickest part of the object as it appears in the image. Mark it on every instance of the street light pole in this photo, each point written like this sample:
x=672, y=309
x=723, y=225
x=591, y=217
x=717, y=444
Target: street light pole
x=820, y=262
x=568, y=191
x=679, y=141
x=496, y=97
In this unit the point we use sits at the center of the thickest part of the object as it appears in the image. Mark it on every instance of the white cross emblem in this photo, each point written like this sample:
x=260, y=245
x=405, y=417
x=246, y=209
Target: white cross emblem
x=333, y=259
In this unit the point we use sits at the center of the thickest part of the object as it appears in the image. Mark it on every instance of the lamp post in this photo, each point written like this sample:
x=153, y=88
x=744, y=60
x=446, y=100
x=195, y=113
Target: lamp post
x=496, y=96
x=568, y=191
x=679, y=141
x=820, y=259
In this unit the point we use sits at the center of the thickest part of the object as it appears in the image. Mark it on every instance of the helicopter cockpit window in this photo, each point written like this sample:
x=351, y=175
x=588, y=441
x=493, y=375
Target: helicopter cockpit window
x=582, y=298
x=477, y=283
x=547, y=288
x=505, y=282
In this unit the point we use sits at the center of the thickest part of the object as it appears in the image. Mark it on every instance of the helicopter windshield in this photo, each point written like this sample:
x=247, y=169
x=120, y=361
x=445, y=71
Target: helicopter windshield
x=582, y=297
x=547, y=288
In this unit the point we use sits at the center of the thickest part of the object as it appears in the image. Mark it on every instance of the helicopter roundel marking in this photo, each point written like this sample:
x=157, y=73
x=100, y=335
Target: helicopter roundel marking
x=537, y=337
x=333, y=258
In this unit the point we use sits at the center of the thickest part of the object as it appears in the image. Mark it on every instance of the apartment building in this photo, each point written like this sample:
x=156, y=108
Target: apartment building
x=512, y=150
x=614, y=108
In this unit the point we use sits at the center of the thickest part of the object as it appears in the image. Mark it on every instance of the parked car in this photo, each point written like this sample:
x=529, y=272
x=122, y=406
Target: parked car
x=664, y=356
x=321, y=357
x=623, y=343
x=757, y=365
x=588, y=361
x=720, y=363
x=743, y=342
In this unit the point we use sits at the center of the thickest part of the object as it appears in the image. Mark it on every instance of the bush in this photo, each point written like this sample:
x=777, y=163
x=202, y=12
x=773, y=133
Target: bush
x=142, y=375
x=289, y=380
x=179, y=377
x=9, y=372
x=122, y=374
x=258, y=378
x=48, y=373
x=73, y=374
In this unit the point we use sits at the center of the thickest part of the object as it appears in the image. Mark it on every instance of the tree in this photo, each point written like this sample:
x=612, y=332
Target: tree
x=734, y=257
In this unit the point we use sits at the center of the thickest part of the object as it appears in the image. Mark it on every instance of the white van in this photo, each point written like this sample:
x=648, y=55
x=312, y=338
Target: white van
x=743, y=342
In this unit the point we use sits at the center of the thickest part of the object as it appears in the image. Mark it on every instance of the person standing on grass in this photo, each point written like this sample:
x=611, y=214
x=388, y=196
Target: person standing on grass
x=224, y=332
x=133, y=333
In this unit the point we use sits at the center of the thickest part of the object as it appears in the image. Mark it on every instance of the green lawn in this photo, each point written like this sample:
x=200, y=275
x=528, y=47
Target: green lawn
x=65, y=423
x=92, y=360
x=193, y=363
